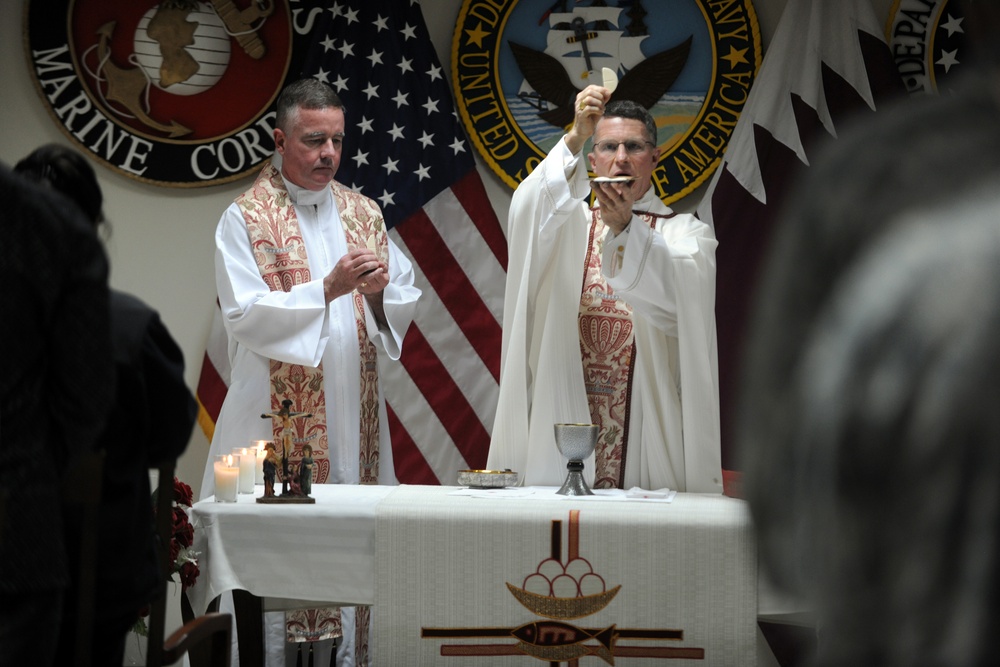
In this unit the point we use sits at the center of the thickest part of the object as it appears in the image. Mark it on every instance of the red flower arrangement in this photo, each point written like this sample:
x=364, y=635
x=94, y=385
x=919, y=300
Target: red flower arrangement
x=183, y=559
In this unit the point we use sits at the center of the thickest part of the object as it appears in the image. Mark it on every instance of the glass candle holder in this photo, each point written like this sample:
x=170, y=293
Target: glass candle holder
x=246, y=459
x=227, y=479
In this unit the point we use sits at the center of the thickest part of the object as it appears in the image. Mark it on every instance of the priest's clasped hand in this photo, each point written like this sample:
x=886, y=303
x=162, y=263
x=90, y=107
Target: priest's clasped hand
x=359, y=270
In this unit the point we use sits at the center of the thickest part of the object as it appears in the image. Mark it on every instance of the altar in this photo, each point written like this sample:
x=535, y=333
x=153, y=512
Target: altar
x=320, y=553
x=503, y=577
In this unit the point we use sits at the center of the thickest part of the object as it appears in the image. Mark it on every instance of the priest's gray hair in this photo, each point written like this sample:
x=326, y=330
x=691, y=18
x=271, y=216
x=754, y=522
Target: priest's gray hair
x=304, y=94
x=632, y=111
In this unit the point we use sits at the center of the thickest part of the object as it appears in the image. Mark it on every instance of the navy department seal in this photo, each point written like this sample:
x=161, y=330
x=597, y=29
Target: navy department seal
x=517, y=66
x=928, y=43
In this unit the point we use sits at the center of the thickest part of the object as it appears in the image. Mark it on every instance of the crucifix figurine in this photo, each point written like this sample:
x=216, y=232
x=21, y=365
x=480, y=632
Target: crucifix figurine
x=286, y=415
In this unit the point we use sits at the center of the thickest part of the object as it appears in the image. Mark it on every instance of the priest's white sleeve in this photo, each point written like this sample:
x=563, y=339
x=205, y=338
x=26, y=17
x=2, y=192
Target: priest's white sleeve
x=287, y=326
x=667, y=274
x=650, y=268
x=399, y=301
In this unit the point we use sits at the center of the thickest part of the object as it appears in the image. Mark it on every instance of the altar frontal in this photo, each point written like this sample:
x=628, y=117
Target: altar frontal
x=510, y=581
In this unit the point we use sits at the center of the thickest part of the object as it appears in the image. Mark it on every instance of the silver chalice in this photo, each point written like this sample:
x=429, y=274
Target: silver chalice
x=576, y=442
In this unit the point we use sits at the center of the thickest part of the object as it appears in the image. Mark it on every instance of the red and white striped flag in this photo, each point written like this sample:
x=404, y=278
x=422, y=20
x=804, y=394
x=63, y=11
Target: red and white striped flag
x=828, y=60
x=213, y=383
x=405, y=149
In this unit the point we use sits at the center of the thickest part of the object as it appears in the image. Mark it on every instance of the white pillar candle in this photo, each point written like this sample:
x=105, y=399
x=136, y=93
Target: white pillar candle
x=261, y=454
x=247, y=459
x=227, y=479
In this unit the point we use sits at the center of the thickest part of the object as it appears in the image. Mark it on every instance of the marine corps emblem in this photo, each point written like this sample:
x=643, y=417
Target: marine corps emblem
x=170, y=92
x=928, y=42
x=517, y=66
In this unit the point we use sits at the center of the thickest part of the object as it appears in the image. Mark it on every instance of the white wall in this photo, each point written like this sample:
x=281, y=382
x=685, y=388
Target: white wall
x=161, y=248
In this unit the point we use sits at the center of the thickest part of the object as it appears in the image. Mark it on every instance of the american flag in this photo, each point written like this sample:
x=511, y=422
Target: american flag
x=827, y=61
x=405, y=148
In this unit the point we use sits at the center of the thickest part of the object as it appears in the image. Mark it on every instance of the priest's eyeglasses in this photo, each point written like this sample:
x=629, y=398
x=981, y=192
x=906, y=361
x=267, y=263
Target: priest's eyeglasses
x=632, y=147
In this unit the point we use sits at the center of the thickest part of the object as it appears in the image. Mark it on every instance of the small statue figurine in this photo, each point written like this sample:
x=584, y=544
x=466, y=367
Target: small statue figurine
x=285, y=414
x=306, y=470
x=270, y=465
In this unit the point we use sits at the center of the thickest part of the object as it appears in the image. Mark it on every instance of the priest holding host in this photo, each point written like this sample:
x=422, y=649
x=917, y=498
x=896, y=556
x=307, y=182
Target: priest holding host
x=634, y=350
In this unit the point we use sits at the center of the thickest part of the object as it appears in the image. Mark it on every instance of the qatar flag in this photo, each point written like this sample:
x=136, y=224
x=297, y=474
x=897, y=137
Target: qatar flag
x=827, y=62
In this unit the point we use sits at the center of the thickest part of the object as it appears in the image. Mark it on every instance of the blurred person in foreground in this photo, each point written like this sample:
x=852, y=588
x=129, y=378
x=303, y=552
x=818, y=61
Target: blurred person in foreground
x=823, y=481
x=893, y=448
x=930, y=149
x=151, y=419
x=56, y=390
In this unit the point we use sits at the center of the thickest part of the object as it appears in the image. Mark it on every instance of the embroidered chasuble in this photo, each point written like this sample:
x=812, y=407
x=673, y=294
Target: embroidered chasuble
x=280, y=253
x=639, y=317
x=607, y=347
x=281, y=257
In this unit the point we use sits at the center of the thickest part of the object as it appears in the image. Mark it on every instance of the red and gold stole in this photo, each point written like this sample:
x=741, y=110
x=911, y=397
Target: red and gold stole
x=607, y=347
x=278, y=247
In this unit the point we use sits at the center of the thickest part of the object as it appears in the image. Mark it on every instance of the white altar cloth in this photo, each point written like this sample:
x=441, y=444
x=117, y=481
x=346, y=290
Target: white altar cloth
x=322, y=552
x=440, y=559
x=447, y=565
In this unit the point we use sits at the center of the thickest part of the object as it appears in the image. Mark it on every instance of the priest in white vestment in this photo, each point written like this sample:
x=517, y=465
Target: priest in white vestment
x=300, y=327
x=609, y=316
x=314, y=295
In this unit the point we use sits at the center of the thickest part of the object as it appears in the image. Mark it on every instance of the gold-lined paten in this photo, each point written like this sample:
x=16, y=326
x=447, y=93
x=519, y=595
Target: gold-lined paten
x=487, y=479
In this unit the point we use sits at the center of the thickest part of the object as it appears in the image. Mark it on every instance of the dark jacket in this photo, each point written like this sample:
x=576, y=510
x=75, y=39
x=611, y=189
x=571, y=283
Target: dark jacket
x=57, y=382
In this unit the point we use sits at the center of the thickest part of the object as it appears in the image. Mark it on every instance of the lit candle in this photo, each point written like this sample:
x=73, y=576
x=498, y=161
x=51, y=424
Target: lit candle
x=261, y=454
x=247, y=459
x=227, y=479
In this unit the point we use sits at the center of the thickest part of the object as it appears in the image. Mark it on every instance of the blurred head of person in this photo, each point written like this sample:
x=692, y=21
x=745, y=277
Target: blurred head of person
x=894, y=447
x=68, y=172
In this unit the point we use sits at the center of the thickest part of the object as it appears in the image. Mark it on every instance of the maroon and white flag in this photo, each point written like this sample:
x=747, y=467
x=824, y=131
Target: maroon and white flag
x=828, y=60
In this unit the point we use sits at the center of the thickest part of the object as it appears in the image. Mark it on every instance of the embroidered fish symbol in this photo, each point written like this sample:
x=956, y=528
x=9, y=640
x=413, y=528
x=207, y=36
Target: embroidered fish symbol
x=557, y=641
